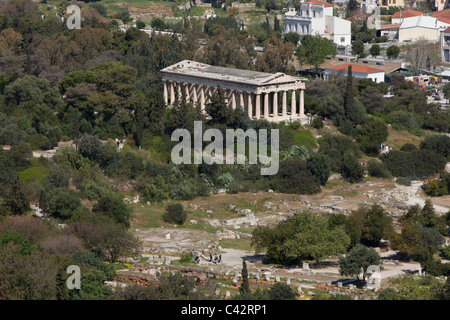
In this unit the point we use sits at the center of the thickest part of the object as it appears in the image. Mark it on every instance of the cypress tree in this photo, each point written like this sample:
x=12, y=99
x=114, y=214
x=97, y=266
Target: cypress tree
x=349, y=104
x=245, y=287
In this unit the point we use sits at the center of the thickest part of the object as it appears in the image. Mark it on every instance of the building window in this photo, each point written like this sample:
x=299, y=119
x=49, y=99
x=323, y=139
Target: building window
x=394, y=1
x=314, y=14
x=342, y=39
x=442, y=1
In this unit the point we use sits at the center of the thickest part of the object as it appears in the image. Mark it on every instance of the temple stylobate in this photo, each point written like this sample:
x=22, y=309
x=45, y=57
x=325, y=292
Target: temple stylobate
x=270, y=96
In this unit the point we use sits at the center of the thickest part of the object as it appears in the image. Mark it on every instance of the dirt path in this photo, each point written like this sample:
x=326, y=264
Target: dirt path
x=415, y=198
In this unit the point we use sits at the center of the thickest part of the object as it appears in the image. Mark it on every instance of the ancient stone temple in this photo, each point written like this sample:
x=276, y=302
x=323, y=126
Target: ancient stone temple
x=270, y=96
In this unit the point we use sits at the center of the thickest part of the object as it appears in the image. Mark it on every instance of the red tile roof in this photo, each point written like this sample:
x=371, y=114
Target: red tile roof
x=355, y=68
x=445, y=12
x=325, y=4
x=447, y=30
x=408, y=13
x=389, y=26
x=444, y=19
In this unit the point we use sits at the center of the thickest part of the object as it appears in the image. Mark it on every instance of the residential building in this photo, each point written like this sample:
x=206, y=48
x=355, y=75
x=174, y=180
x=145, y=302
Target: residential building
x=443, y=18
x=392, y=3
x=440, y=4
x=315, y=17
x=419, y=27
x=368, y=6
x=399, y=16
x=445, y=45
x=358, y=71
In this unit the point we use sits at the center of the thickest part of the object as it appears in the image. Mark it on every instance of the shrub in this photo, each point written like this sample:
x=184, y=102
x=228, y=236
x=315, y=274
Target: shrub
x=293, y=177
x=446, y=251
x=175, y=214
x=351, y=170
x=317, y=123
x=406, y=181
x=377, y=169
x=435, y=188
x=421, y=163
x=439, y=143
x=409, y=147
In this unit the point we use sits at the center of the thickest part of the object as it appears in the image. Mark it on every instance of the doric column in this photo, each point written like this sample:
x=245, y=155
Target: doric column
x=302, y=103
x=249, y=105
x=266, y=105
x=233, y=100
x=179, y=90
x=275, y=105
x=186, y=89
x=202, y=97
x=241, y=100
x=258, y=106
x=194, y=94
x=166, y=97
x=172, y=93
x=284, y=111
x=293, y=106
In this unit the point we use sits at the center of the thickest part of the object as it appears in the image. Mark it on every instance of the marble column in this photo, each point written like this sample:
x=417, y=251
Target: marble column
x=258, y=106
x=249, y=105
x=179, y=90
x=275, y=105
x=284, y=104
x=172, y=93
x=302, y=103
x=233, y=100
x=166, y=96
x=293, y=106
x=241, y=100
x=266, y=105
x=186, y=89
x=194, y=94
x=202, y=97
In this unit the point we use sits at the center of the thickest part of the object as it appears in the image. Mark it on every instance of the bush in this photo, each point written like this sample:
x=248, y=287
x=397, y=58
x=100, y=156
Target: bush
x=406, y=181
x=420, y=163
x=175, y=214
x=317, y=123
x=439, y=143
x=377, y=169
x=435, y=187
x=408, y=147
x=351, y=170
x=294, y=177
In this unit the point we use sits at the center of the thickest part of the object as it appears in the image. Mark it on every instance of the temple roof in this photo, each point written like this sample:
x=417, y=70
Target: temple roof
x=202, y=70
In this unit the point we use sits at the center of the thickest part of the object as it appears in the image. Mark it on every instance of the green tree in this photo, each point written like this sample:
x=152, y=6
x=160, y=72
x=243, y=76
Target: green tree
x=319, y=165
x=62, y=203
x=89, y=146
x=114, y=208
x=375, y=50
x=313, y=50
x=175, y=213
x=358, y=48
x=292, y=37
x=392, y=52
x=357, y=260
x=351, y=170
x=281, y=291
x=14, y=237
x=304, y=236
x=245, y=286
x=375, y=224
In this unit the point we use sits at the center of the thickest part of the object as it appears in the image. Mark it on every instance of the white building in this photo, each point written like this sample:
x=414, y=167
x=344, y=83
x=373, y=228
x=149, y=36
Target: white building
x=420, y=27
x=362, y=72
x=315, y=17
x=368, y=6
